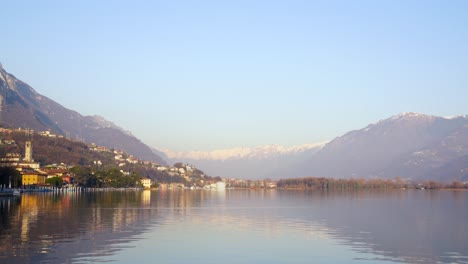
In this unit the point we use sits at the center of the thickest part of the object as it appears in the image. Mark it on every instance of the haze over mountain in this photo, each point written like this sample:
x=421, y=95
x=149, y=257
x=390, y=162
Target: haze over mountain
x=245, y=162
x=408, y=145
x=22, y=106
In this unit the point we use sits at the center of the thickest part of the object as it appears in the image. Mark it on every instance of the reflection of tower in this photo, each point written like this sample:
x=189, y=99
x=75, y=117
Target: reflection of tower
x=28, y=152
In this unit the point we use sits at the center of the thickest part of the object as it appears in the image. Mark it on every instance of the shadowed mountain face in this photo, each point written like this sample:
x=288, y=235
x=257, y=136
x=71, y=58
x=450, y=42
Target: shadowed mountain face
x=23, y=107
x=409, y=145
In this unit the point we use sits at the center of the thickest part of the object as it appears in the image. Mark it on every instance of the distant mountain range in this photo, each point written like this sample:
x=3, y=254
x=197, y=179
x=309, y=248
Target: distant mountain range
x=22, y=106
x=408, y=145
x=251, y=153
x=245, y=162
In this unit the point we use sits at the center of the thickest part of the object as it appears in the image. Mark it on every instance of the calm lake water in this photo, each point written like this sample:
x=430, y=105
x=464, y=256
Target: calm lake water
x=236, y=226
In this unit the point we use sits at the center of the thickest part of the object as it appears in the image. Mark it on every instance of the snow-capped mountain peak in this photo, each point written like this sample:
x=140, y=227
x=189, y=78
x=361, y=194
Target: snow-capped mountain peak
x=257, y=152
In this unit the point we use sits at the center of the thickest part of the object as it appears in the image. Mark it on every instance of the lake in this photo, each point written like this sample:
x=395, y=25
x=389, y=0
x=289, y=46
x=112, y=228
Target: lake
x=236, y=226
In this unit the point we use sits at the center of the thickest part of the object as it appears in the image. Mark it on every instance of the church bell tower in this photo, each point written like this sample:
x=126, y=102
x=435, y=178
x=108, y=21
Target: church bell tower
x=28, y=152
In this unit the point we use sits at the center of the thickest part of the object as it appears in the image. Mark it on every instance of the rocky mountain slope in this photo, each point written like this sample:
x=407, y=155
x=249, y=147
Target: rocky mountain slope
x=22, y=106
x=408, y=145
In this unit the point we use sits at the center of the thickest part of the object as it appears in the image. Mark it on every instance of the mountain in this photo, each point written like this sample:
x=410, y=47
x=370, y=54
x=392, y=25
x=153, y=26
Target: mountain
x=408, y=145
x=22, y=106
x=245, y=162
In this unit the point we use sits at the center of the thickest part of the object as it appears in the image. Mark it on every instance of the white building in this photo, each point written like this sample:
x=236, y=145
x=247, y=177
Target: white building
x=146, y=182
x=220, y=185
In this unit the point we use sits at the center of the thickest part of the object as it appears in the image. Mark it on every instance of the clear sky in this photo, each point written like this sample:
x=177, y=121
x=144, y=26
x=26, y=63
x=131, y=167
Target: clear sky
x=203, y=75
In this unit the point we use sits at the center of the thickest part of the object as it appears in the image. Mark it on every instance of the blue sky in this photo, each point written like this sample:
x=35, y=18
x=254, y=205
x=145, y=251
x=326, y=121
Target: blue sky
x=203, y=75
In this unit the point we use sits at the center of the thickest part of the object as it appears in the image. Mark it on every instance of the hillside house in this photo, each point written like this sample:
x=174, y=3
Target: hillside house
x=146, y=182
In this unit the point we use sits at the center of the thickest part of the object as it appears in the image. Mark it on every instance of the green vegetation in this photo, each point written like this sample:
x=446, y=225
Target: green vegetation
x=55, y=181
x=113, y=177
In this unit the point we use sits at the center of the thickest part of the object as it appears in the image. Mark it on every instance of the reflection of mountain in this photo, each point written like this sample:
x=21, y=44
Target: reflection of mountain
x=65, y=226
x=398, y=226
x=404, y=226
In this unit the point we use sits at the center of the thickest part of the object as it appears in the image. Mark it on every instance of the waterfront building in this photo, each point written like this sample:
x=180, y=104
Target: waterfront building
x=33, y=178
x=220, y=185
x=146, y=182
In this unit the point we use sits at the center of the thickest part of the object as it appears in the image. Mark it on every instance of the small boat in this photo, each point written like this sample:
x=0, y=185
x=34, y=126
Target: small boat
x=16, y=193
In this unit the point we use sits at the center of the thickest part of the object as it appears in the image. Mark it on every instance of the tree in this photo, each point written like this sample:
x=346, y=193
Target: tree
x=83, y=175
x=457, y=185
x=179, y=165
x=55, y=181
x=9, y=175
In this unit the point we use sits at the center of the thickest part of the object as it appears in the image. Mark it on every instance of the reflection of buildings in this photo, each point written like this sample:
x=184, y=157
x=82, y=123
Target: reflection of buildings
x=146, y=197
x=38, y=227
x=29, y=214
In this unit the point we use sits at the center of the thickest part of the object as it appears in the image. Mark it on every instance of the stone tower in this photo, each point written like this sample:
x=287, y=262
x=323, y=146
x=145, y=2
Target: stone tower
x=28, y=152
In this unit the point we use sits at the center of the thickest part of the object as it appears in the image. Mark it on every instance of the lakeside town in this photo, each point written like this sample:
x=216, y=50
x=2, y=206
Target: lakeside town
x=107, y=168
x=119, y=170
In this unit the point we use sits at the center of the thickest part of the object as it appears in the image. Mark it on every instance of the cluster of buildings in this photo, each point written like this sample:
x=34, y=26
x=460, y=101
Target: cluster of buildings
x=49, y=134
x=123, y=159
x=32, y=174
x=31, y=171
x=184, y=170
x=120, y=157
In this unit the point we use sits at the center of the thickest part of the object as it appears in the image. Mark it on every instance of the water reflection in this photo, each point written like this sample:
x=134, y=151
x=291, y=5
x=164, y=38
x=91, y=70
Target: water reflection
x=265, y=225
x=37, y=227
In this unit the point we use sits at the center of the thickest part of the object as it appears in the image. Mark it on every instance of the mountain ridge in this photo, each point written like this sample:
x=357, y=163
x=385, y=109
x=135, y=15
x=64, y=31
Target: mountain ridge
x=408, y=145
x=22, y=106
x=256, y=152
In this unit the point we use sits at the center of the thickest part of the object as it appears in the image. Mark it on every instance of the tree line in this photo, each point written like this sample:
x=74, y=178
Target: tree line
x=113, y=177
x=354, y=184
